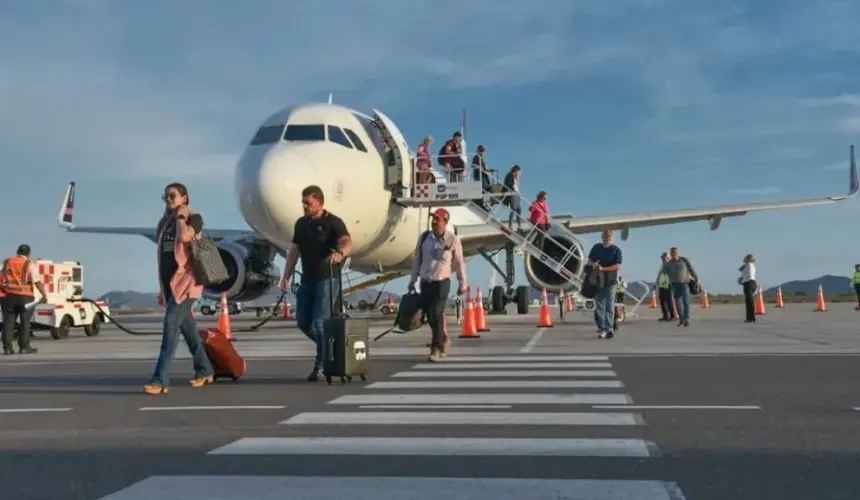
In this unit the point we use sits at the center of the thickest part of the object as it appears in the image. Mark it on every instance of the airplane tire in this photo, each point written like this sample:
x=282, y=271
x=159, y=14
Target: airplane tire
x=497, y=299
x=522, y=300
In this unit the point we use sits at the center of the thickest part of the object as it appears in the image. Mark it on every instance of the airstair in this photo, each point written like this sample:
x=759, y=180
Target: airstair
x=531, y=239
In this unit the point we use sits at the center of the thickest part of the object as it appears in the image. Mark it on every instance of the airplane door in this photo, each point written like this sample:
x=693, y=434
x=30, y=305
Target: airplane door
x=399, y=166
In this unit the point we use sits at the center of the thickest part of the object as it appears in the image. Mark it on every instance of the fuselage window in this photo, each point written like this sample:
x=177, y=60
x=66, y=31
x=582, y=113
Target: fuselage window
x=355, y=140
x=267, y=135
x=337, y=136
x=305, y=133
x=375, y=137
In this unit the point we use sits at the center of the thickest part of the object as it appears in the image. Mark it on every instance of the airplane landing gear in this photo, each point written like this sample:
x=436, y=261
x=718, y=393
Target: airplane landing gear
x=501, y=296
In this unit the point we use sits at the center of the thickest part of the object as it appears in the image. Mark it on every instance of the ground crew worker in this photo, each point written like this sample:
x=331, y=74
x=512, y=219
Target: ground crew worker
x=438, y=253
x=20, y=277
x=667, y=303
x=855, y=282
x=747, y=280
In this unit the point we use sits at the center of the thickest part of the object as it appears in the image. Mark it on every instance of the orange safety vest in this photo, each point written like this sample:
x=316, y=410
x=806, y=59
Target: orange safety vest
x=17, y=279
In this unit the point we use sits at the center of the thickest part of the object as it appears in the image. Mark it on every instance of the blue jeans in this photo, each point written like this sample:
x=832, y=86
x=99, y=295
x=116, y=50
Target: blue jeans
x=178, y=319
x=681, y=292
x=604, y=306
x=313, y=308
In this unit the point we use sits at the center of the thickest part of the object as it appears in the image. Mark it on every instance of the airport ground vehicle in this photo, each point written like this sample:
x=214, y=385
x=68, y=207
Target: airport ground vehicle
x=65, y=308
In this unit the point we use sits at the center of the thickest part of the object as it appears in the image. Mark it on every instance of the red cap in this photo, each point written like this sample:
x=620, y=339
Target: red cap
x=441, y=213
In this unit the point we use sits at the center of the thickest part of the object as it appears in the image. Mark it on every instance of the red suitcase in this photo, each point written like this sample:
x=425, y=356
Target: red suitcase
x=226, y=362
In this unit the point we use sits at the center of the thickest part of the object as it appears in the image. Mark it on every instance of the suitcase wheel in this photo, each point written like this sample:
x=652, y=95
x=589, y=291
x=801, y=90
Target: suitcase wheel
x=349, y=378
x=363, y=377
x=215, y=378
x=235, y=378
x=342, y=380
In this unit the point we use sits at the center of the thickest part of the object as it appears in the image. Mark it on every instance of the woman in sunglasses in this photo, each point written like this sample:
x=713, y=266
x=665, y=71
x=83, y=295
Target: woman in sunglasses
x=178, y=289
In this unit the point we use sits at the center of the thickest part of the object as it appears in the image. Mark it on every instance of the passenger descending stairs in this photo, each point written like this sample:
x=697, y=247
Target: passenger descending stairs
x=524, y=240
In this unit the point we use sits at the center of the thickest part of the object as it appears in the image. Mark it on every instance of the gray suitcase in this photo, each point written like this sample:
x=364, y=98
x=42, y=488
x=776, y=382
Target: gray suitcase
x=347, y=352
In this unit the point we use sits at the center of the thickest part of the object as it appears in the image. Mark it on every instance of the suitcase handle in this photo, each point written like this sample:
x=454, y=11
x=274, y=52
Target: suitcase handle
x=335, y=311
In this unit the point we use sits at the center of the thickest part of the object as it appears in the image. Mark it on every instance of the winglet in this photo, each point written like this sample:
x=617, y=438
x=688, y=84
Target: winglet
x=855, y=184
x=65, y=216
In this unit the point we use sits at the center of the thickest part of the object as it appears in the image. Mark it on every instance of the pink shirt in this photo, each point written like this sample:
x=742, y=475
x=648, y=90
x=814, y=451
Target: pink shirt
x=539, y=211
x=184, y=284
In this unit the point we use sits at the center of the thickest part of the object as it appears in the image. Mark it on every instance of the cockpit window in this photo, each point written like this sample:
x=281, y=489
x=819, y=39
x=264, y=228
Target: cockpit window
x=337, y=136
x=305, y=133
x=267, y=135
x=375, y=136
x=355, y=140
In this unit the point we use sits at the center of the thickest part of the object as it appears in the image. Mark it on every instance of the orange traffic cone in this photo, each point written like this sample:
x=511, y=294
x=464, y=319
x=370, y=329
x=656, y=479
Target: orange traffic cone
x=480, y=319
x=287, y=310
x=706, y=304
x=653, y=299
x=545, y=318
x=820, y=306
x=779, y=303
x=759, y=303
x=568, y=304
x=469, y=330
x=224, y=319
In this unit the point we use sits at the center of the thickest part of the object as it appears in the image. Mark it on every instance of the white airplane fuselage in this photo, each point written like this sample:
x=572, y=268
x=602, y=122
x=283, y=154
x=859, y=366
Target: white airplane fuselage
x=274, y=169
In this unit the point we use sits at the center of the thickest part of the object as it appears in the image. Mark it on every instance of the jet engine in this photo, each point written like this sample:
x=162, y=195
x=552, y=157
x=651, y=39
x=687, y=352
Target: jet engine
x=251, y=270
x=556, y=247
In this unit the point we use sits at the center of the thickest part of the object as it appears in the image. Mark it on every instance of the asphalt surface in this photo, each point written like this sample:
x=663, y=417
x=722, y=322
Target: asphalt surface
x=651, y=418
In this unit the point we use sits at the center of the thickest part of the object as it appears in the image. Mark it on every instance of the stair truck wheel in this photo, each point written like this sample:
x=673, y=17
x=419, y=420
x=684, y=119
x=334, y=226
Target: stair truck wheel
x=95, y=327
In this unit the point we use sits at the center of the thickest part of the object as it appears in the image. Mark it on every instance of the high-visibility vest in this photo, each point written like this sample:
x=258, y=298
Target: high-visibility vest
x=17, y=279
x=664, y=280
x=856, y=279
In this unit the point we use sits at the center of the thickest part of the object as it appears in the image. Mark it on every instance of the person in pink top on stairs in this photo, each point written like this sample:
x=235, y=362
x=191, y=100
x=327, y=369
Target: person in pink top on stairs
x=539, y=216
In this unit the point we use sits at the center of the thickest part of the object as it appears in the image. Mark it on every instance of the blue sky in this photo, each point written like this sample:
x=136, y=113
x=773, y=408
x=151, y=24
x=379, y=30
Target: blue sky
x=619, y=106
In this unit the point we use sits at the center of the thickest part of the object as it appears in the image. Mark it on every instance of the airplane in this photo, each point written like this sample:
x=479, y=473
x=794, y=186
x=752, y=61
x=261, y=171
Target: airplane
x=365, y=169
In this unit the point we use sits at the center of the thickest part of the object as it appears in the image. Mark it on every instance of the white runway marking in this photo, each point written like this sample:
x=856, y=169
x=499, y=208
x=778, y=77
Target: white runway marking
x=675, y=407
x=32, y=410
x=505, y=374
x=508, y=366
x=223, y=487
x=556, y=447
x=533, y=341
x=482, y=399
x=462, y=418
x=194, y=408
x=498, y=384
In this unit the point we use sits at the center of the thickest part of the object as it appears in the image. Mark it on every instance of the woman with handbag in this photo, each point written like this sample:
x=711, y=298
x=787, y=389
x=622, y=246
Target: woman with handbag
x=179, y=289
x=747, y=280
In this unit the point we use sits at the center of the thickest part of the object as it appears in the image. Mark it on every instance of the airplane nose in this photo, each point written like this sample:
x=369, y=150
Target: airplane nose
x=269, y=188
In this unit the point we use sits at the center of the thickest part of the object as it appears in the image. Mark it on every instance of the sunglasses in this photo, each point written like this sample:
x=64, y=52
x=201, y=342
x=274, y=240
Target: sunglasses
x=169, y=196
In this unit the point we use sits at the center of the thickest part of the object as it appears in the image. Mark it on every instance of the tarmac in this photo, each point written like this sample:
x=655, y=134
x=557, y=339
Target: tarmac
x=716, y=411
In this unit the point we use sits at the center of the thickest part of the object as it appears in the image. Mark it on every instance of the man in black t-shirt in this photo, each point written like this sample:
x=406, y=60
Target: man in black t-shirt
x=323, y=242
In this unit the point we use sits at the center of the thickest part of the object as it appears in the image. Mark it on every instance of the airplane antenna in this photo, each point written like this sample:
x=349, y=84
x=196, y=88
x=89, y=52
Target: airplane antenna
x=330, y=97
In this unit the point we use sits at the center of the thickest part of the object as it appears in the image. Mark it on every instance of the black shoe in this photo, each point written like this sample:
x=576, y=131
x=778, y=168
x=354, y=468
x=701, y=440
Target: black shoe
x=316, y=375
x=607, y=335
x=8, y=350
x=686, y=322
x=28, y=350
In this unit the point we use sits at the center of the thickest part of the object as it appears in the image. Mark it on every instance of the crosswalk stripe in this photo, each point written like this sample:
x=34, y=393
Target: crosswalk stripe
x=471, y=398
x=552, y=447
x=392, y=488
x=505, y=374
x=524, y=357
x=463, y=418
x=498, y=384
x=508, y=366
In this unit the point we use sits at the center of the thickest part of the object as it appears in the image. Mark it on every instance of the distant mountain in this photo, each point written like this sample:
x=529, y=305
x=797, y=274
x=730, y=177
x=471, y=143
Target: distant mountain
x=832, y=285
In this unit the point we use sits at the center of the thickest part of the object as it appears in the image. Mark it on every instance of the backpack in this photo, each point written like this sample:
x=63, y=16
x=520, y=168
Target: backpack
x=695, y=286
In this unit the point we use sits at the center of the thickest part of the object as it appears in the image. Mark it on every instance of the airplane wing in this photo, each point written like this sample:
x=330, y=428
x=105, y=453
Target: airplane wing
x=67, y=208
x=715, y=215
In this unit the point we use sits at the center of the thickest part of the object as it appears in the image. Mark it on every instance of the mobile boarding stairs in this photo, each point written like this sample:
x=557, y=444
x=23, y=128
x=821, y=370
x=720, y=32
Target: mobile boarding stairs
x=469, y=193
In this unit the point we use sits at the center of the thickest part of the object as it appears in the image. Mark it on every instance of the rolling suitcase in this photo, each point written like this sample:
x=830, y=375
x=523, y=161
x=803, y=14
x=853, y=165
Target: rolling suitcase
x=347, y=342
x=226, y=362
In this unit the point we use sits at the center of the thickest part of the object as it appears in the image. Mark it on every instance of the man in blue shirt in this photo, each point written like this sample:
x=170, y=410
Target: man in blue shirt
x=606, y=259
